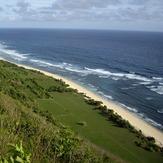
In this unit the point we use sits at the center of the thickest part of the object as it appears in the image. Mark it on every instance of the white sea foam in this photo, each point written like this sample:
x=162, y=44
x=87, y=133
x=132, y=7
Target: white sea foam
x=152, y=122
x=148, y=98
x=108, y=97
x=47, y=64
x=148, y=120
x=12, y=53
x=67, y=64
x=157, y=89
x=160, y=110
x=73, y=69
x=126, y=88
x=103, y=76
x=135, y=84
x=104, y=95
x=137, y=77
x=102, y=72
x=145, y=83
x=41, y=62
x=155, y=85
x=154, y=80
x=63, y=66
x=90, y=85
x=115, y=78
x=128, y=108
x=38, y=61
x=87, y=71
x=157, y=78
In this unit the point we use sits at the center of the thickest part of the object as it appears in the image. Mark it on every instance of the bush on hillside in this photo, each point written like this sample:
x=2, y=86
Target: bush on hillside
x=93, y=102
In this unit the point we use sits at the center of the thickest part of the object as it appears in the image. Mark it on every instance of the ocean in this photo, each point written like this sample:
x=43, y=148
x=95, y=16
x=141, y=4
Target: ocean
x=124, y=67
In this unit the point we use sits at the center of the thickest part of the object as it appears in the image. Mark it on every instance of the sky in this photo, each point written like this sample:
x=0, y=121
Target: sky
x=139, y=15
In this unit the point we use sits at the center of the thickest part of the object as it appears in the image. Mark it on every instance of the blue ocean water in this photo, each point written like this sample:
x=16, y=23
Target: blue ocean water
x=122, y=66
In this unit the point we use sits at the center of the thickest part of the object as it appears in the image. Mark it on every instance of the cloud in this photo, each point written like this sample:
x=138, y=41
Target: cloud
x=1, y=8
x=105, y=10
x=23, y=7
x=23, y=4
x=137, y=2
x=85, y=11
x=83, y=4
x=145, y=2
x=9, y=6
x=24, y=12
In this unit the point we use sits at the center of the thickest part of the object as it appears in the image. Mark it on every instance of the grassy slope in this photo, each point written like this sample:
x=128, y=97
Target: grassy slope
x=70, y=109
x=45, y=141
x=22, y=120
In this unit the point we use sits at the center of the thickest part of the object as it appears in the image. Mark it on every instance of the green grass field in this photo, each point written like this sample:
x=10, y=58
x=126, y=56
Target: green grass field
x=70, y=109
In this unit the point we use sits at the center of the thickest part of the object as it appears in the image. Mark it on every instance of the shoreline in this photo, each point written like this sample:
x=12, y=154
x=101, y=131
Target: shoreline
x=139, y=124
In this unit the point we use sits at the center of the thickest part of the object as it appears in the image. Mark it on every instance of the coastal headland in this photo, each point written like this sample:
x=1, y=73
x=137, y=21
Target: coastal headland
x=139, y=124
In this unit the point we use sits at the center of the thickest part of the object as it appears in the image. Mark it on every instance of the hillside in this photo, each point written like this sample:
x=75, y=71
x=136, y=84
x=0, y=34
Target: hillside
x=57, y=124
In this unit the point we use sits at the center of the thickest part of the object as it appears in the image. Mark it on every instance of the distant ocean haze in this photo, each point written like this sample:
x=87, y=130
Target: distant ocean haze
x=122, y=66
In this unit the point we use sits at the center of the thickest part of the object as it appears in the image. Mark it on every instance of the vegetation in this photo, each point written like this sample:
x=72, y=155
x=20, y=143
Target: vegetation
x=17, y=155
x=115, y=118
x=21, y=120
x=36, y=110
x=148, y=143
x=60, y=89
x=82, y=123
x=93, y=102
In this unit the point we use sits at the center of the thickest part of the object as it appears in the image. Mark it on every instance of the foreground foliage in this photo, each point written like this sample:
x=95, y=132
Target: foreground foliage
x=17, y=155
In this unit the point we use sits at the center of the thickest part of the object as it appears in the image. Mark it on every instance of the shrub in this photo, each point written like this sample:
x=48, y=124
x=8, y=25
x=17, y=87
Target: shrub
x=83, y=123
x=17, y=155
x=148, y=143
x=93, y=102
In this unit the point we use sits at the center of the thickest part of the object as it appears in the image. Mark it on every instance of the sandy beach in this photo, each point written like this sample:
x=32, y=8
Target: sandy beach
x=146, y=129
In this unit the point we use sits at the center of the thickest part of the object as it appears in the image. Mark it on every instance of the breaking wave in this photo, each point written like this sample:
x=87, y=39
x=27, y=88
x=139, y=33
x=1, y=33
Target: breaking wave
x=160, y=111
x=109, y=97
x=101, y=73
x=158, y=89
x=12, y=53
x=134, y=110
x=105, y=73
x=149, y=120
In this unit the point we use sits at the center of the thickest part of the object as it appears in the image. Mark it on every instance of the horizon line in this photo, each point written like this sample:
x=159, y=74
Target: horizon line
x=127, y=30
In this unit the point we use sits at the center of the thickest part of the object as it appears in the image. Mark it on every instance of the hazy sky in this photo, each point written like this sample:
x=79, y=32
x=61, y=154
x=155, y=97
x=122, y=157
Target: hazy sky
x=94, y=14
